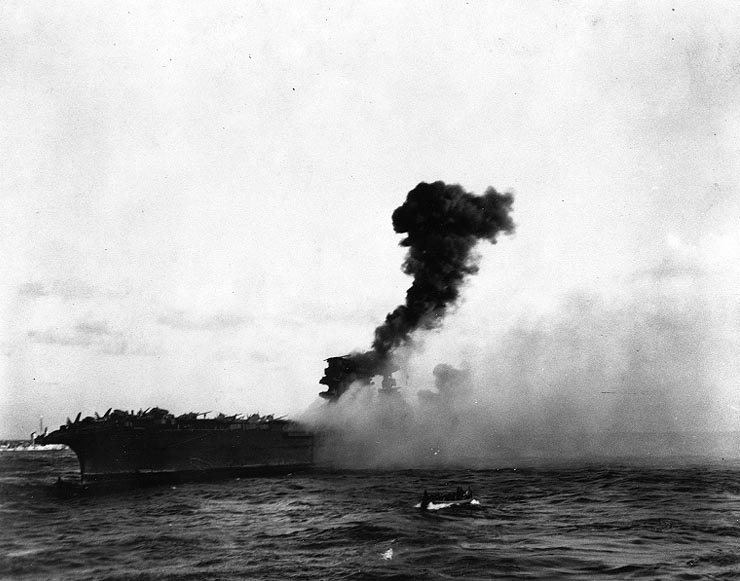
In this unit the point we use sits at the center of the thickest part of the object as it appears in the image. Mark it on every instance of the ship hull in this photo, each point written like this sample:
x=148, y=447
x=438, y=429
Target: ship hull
x=174, y=453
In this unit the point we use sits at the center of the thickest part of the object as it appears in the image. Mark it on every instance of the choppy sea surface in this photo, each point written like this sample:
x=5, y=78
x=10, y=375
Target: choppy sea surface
x=614, y=520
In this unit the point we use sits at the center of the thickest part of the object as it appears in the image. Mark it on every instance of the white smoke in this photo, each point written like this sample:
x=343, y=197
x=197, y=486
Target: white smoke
x=646, y=371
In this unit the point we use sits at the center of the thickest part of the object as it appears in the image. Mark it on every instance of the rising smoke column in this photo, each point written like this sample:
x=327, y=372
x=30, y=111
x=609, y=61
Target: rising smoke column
x=442, y=223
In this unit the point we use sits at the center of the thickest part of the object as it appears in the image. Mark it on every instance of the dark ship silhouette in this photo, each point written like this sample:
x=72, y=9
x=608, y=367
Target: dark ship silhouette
x=344, y=370
x=155, y=446
x=442, y=224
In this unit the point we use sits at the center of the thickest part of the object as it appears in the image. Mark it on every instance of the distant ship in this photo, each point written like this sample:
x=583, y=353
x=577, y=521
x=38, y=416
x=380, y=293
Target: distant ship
x=26, y=446
x=30, y=445
x=156, y=446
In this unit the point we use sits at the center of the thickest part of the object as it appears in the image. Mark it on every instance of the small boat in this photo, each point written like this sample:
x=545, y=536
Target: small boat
x=436, y=500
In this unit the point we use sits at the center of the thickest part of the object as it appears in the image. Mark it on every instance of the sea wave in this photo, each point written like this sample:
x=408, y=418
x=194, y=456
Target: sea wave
x=568, y=522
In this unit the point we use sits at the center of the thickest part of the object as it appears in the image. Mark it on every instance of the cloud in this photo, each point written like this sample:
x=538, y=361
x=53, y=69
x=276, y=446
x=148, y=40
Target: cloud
x=32, y=289
x=57, y=337
x=673, y=268
x=197, y=322
x=121, y=345
x=93, y=334
x=67, y=289
x=679, y=261
x=260, y=357
x=312, y=313
x=93, y=328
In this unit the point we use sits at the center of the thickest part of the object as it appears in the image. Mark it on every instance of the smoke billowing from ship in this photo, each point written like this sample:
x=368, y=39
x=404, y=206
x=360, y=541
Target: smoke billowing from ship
x=635, y=376
x=442, y=224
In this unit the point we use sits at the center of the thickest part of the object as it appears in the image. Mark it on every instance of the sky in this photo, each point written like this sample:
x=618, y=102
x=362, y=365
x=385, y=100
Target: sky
x=197, y=200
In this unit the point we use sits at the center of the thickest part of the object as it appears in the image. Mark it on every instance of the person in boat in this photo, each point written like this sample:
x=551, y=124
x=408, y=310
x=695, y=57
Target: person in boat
x=459, y=494
x=425, y=500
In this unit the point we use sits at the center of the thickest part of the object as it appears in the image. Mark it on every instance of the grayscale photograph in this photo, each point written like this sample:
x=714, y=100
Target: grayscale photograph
x=369, y=290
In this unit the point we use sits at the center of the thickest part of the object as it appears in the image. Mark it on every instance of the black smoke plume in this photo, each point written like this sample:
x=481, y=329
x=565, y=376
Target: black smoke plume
x=442, y=224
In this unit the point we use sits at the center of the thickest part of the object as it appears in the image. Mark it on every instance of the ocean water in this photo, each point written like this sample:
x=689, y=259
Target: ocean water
x=610, y=520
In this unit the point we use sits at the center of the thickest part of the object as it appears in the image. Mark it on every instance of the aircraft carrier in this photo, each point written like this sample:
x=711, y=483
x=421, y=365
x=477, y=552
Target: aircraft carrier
x=156, y=446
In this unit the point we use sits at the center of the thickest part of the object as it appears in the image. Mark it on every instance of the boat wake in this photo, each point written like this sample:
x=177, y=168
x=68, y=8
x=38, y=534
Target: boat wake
x=448, y=504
